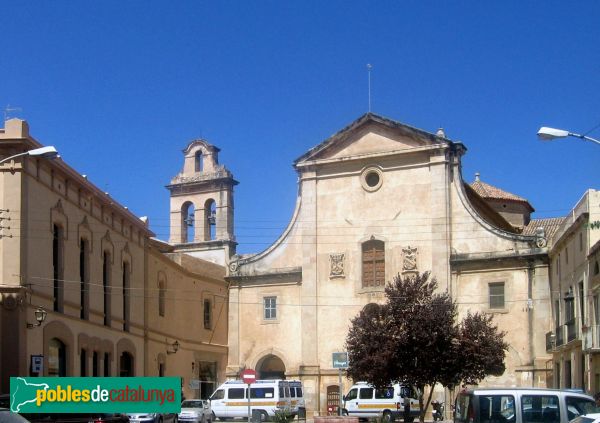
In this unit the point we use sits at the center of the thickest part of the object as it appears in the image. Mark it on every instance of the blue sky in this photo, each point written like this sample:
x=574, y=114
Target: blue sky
x=121, y=87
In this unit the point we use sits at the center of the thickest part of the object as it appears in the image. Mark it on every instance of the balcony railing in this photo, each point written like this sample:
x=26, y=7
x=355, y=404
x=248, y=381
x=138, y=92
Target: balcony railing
x=571, y=330
x=560, y=335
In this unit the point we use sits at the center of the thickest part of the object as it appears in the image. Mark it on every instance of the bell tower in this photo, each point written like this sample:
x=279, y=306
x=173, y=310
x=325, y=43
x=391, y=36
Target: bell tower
x=202, y=205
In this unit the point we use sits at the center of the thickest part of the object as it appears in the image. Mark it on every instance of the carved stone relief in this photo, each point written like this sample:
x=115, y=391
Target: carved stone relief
x=409, y=259
x=336, y=262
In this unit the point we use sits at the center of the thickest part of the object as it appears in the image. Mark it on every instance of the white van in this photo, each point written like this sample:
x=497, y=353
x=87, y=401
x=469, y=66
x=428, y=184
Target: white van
x=365, y=401
x=298, y=405
x=520, y=405
x=230, y=400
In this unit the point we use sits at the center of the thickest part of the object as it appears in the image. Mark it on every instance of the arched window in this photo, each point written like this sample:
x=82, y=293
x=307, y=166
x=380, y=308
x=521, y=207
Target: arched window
x=199, y=161
x=373, y=263
x=57, y=358
x=106, y=268
x=84, y=274
x=187, y=222
x=161, y=297
x=57, y=267
x=126, y=296
x=210, y=220
x=126, y=364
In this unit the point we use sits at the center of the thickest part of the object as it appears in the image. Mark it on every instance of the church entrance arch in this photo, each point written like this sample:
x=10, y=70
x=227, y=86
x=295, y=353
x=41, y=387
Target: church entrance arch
x=270, y=367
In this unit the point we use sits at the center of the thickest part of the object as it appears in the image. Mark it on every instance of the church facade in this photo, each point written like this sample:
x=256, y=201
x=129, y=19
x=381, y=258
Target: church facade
x=376, y=200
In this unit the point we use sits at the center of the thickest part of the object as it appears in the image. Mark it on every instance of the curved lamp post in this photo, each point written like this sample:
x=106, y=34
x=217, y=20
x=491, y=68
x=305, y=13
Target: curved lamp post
x=549, y=134
x=48, y=152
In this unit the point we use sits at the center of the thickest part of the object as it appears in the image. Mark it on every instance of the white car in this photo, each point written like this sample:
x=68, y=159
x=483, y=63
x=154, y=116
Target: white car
x=195, y=410
x=587, y=418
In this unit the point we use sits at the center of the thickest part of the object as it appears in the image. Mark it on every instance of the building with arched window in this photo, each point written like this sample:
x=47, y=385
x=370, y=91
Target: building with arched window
x=116, y=300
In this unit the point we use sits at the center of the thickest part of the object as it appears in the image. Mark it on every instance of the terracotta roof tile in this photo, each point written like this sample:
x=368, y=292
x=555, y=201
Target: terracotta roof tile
x=550, y=226
x=489, y=191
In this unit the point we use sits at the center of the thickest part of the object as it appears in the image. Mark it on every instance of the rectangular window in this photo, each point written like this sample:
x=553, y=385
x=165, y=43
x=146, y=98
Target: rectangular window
x=106, y=365
x=373, y=263
x=57, y=267
x=106, y=287
x=496, y=408
x=262, y=392
x=83, y=279
x=82, y=362
x=126, y=296
x=580, y=241
x=540, y=408
x=207, y=314
x=577, y=406
x=385, y=393
x=596, y=309
x=236, y=393
x=270, y=308
x=95, y=364
x=496, y=290
x=365, y=393
x=581, y=302
x=161, y=298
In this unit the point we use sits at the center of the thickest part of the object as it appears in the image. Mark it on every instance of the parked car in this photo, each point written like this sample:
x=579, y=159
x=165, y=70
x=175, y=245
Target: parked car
x=152, y=417
x=587, y=418
x=195, y=410
x=7, y=416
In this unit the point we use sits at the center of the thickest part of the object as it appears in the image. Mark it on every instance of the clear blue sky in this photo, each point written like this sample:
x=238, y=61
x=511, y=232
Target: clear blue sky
x=121, y=87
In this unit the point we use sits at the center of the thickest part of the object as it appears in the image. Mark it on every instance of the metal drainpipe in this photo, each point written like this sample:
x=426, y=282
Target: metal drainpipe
x=530, y=276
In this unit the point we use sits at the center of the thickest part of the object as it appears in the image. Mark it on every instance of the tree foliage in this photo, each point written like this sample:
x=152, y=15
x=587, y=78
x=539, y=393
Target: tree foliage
x=414, y=338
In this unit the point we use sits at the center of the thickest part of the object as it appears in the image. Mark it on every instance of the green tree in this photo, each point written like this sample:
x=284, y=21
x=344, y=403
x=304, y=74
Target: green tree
x=414, y=338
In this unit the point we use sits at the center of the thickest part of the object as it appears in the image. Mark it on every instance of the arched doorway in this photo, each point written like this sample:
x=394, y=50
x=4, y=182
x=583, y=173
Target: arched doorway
x=270, y=367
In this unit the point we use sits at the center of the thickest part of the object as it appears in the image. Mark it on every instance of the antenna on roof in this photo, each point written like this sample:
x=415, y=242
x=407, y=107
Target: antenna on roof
x=369, y=68
x=9, y=109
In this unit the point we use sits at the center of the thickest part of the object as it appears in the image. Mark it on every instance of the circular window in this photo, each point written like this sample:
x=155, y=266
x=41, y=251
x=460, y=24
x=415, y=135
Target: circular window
x=371, y=179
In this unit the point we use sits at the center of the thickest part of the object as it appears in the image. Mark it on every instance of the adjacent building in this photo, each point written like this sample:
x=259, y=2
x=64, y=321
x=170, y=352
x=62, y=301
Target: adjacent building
x=574, y=338
x=86, y=290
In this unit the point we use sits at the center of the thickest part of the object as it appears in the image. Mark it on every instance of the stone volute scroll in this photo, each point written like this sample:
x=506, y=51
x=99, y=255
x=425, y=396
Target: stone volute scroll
x=409, y=259
x=336, y=265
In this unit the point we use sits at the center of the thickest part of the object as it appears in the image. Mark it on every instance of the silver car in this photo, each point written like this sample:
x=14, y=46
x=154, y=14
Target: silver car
x=195, y=410
x=152, y=417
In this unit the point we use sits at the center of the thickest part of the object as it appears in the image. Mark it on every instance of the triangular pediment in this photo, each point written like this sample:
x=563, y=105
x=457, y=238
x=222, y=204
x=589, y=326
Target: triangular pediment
x=370, y=134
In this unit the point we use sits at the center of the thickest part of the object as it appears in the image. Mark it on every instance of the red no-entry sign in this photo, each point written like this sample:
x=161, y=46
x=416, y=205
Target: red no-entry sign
x=248, y=376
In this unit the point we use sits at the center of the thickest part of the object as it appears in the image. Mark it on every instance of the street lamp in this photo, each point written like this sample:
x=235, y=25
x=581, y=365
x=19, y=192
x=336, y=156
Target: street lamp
x=549, y=134
x=40, y=316
x=48, y=152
